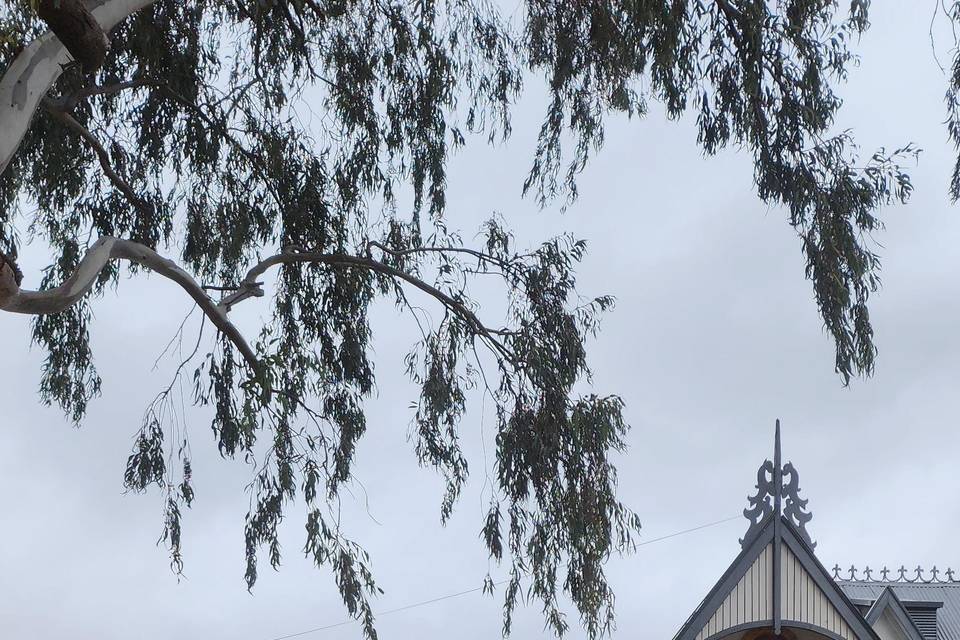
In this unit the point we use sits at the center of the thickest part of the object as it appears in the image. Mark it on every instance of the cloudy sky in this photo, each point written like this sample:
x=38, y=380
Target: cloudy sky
x=715, y=335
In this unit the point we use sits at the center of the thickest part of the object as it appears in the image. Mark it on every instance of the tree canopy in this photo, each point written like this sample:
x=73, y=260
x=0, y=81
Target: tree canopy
x=181, y=134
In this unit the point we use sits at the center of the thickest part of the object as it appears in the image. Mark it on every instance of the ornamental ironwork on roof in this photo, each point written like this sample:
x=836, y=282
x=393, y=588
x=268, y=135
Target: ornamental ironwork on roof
x=917, y=575
x=778, y=493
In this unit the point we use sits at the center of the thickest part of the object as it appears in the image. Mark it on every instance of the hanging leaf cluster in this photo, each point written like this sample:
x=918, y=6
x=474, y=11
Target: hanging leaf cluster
x=314, y=136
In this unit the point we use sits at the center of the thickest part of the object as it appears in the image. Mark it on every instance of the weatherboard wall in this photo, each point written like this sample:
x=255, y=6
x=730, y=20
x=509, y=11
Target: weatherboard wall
x=751, y=600
x=803, y=601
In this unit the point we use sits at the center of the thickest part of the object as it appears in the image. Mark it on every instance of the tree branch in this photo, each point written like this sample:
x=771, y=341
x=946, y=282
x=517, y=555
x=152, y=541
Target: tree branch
x=32, y=73
x=293, y=256
x=70, y=122
x=81, y=281
x=110, y=89
x=85, y=276
x=77, y=29
x=479, y=255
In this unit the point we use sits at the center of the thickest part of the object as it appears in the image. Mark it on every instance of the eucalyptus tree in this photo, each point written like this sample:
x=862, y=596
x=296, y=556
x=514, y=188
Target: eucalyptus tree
x=137, y=130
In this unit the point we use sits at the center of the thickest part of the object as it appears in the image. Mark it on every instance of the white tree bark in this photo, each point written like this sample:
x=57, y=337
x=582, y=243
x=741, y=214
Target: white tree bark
x=22, y=88
x=38, y=66
x=84, y=277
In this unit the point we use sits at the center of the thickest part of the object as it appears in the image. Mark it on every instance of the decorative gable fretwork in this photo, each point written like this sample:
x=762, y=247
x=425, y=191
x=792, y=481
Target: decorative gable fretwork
x=776, y=483
x=776, y=586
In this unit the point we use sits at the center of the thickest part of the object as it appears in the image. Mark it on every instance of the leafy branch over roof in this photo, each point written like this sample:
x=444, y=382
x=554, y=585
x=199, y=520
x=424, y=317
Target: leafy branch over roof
x=190, y=140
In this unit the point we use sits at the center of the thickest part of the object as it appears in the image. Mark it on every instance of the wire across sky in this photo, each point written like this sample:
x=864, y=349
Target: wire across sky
x=458, y=594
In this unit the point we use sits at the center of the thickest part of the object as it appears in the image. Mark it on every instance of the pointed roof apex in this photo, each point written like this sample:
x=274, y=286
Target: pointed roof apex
x=772, y=490
x=789, y=588
x=776, y=442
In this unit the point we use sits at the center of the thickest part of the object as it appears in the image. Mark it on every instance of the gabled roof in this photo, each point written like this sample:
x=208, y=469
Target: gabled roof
x=776, y=581
x=748, y=596
x=889, y=603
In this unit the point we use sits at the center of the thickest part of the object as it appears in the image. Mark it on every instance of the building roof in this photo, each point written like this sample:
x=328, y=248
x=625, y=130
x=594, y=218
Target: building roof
x=777, y=583
x=914, y=595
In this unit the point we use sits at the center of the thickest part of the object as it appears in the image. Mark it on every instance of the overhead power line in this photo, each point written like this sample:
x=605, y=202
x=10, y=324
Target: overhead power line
x=422, y=603
x=389, y=611
x=680, y=533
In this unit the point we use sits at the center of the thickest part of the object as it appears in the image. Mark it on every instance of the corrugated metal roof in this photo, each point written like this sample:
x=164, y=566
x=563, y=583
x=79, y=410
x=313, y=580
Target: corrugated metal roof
x=948, y=616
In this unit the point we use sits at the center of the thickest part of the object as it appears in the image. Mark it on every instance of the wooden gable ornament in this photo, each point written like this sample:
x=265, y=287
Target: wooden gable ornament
x=776, y=588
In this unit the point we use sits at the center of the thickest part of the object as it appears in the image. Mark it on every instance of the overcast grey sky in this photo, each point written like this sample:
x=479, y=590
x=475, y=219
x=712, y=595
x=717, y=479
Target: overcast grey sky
x=714, y=336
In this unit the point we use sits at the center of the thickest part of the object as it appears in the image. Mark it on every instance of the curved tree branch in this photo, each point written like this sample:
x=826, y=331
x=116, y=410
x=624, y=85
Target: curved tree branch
x=506, y=265
x=15, y=300
x=293, y=256
x=32, y=73
x=81, y=281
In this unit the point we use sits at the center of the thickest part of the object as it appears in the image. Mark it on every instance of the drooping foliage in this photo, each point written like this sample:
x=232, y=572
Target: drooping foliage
x=229, y=131
x=952, y=13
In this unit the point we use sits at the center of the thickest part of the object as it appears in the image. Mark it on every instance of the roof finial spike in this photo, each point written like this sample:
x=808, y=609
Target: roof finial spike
x=777, y=497
x=777, y=471
x=776, y=445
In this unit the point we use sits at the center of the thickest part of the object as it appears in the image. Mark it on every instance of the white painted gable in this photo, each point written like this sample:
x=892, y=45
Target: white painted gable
x=888, y=628
x=749, y=601
x=802, y=600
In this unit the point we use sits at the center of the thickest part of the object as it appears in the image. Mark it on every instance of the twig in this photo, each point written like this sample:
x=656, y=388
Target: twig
x=70, y=122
